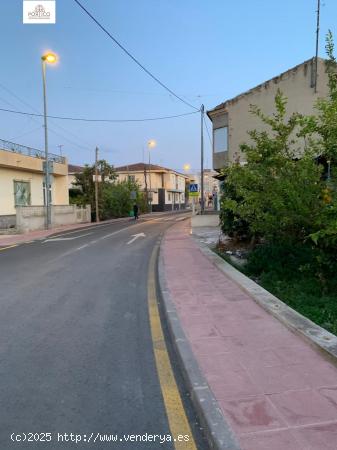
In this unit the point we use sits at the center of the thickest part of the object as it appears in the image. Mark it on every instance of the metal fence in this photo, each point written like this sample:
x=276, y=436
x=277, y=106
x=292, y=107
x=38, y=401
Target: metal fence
x=29, y=151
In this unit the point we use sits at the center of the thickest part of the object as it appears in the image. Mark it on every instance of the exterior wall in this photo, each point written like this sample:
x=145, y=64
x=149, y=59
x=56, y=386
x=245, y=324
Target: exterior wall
x=30, y=218
x=60, y=191
x=60, y=195
x=7, y=178
x=156, y=179
x=19, y=163
x=296, y=85
x=71, y=181
x=169, y=181
x=7, y=222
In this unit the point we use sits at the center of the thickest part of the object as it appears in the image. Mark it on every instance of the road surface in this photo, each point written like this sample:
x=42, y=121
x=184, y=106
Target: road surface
x=77, y=344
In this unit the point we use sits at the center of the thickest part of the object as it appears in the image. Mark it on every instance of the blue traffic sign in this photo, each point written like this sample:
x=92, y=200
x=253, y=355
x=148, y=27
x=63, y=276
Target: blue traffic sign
x=194, y=188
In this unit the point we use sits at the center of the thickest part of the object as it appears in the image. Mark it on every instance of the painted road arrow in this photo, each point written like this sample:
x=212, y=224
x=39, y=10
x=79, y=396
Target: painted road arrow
x=136, y=236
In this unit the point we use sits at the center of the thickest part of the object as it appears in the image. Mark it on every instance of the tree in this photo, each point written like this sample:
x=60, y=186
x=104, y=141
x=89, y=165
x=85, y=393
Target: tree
x=118, y=199
x=322, y=127
x=277, y=193
x=85, y=182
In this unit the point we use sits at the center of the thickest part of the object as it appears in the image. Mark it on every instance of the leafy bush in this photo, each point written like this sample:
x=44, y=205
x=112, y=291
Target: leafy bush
x=117, y=201
x=289, y=272
x=276, y=194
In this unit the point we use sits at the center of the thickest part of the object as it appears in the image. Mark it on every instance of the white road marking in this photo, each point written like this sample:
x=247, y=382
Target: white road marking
x=82, y=246
x=66, y=239
x=135, y=236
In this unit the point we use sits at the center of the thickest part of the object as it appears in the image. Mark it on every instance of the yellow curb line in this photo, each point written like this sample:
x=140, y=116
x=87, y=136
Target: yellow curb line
x=9, y=246
x=178, y=422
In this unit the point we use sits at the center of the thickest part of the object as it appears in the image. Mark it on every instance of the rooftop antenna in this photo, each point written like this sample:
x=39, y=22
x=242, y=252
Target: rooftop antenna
x=317, y=42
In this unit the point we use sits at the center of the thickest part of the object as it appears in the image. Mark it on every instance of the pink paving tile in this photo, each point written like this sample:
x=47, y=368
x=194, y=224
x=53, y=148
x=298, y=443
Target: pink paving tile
x=240, y=386
x=330, y=394
x=198, y=331
x=190, y=312
x=226, y=377
x=276, y=379
x=277, y=356
x=213, y=345
x=320, y=373
x=304, y=407
x=252, y=363
x=271, y=440
x=262, y=340
x=251, y=414
x=318, y=437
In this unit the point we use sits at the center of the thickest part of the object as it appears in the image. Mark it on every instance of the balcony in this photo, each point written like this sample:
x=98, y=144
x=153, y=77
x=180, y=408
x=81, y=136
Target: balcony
x=16, y=156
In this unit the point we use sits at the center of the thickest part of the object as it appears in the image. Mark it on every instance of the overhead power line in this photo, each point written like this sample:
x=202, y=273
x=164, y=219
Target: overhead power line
x=134, y=59
x=57, y=133
x=83, y=119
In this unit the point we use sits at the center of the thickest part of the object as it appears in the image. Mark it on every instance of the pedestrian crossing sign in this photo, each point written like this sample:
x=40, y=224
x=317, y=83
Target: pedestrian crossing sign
x=194, y=190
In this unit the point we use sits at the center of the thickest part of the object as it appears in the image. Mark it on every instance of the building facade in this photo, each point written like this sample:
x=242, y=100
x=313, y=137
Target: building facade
x=165, y=187
x=22, y=180
x=72, y=171
x=232, y=119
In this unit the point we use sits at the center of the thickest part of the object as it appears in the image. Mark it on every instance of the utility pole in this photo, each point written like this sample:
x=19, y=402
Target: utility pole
x=47, y=167
x=145, y=181
x=96, y=184
x=202, y=111
x=150, y=192
x=60, y=147
x=317, y=42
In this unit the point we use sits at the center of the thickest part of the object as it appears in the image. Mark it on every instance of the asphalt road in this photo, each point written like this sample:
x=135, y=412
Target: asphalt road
x=76, y=353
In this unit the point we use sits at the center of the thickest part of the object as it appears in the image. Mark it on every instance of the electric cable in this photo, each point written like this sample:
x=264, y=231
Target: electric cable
x=84, y=119
x=133, y=57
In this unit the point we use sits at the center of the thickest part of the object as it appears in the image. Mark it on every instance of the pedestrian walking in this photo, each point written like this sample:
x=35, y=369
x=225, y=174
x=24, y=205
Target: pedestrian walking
x=135, y=211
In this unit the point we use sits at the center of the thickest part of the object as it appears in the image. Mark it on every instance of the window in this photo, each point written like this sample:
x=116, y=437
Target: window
x=21, y=193
x=169, y=196
x=132, y=178
x=220, y=139
x=44, y=194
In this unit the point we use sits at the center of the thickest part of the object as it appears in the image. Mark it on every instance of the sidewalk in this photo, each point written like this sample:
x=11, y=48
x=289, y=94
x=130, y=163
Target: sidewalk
x=275, y=391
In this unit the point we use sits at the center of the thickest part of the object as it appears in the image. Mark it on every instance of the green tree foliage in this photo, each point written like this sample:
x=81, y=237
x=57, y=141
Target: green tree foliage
x=114, y=198
x=276, y=194
x=117, y=201
x=281, y=193
x=321, y=128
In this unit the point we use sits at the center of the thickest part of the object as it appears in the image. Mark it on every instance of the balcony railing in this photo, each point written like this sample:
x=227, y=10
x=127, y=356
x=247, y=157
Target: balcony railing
x=29, y=151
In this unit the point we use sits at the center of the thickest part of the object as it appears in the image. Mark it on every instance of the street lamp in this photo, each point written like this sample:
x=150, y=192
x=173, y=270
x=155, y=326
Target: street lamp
x=150, y=145
x=47, y=58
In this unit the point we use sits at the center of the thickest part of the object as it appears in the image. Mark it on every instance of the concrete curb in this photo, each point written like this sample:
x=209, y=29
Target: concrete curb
x=218, y=432
x=314, y=334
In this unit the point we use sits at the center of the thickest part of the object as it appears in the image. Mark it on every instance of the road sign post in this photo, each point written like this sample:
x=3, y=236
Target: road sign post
x=193, y=192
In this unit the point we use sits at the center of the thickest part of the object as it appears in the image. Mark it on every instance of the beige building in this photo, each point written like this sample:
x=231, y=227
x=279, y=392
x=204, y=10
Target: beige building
x=231, y=120
x=72, y=171
x=22, y=180
x=166, y=187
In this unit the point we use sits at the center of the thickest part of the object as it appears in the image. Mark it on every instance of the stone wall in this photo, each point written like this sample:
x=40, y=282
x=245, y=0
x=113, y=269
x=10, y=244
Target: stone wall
x=30, y=218
x=8, y=221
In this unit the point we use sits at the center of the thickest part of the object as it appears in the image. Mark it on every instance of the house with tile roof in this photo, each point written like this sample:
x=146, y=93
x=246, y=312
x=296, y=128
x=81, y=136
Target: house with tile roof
x=165, y=188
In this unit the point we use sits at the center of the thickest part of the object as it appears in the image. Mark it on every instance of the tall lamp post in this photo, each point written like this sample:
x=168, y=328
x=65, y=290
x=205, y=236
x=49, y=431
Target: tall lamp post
x=150, y=145
x=47, y=58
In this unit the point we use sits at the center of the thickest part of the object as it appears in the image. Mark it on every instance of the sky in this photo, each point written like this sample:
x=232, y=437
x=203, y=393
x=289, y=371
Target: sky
x=205, y=51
